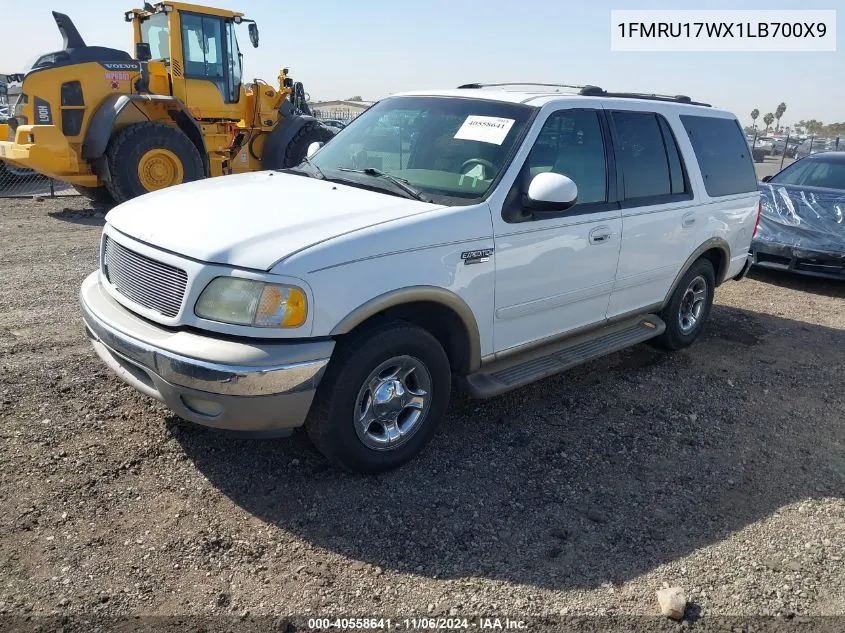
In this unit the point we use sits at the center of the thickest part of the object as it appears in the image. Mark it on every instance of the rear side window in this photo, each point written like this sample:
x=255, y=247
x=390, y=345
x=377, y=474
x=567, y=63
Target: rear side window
x=722, y=153
x=648, y=157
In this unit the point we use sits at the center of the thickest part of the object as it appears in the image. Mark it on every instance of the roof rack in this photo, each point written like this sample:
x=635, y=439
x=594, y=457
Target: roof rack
x=595, y=91
x=592, y=91
x=476, y=86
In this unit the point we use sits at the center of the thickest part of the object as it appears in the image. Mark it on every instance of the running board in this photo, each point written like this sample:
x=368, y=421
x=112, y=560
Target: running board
x=510, y=373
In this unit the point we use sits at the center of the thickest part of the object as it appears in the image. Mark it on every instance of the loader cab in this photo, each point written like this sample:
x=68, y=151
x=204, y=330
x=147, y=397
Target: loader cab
x=199, y=49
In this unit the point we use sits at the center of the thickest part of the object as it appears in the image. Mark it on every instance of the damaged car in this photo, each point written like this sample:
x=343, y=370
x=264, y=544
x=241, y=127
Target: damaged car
x=802, y=221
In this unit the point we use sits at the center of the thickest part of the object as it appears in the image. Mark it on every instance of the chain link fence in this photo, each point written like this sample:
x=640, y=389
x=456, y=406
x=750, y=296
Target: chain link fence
x=790, y=147
x=17, y=182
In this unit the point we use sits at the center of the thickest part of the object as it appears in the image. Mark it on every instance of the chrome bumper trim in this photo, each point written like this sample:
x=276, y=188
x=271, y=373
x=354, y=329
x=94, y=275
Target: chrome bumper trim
x=235, y=380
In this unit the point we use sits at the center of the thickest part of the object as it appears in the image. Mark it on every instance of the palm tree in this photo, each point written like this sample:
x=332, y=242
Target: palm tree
x=779, y=113
x=814, y=127
x=768, y=119
x=754, y=114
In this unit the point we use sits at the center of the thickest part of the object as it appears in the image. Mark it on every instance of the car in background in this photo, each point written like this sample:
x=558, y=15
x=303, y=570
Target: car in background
x=802, y=218
x=765, y=142
x=816, y=146
x=758, y=152
x=785, y=147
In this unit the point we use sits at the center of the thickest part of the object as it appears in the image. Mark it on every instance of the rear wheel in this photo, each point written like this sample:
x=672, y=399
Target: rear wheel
x=150, y=156
x=382, y=396
x=689, y=306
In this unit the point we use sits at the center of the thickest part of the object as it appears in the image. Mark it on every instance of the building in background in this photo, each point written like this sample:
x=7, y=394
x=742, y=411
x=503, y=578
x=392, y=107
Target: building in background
x=342, y=110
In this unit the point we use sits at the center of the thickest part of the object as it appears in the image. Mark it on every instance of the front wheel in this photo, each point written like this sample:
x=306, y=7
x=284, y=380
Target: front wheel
x=381, y=399
x=149, y=156
x=689, y=306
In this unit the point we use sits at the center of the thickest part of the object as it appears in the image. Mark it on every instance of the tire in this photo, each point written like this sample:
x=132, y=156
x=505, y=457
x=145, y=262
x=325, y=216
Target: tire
x=136, y=143
x=343, y=395
x=98, y=196
x=294, y=152
x=680, y=332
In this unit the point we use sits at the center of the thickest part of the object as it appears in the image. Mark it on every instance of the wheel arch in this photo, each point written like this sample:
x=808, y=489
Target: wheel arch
x=441, y=312
x=717, y=251
x=103, y=122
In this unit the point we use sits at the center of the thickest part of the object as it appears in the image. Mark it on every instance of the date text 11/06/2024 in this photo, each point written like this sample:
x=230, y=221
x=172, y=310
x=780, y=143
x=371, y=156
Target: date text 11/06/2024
x=418, y=624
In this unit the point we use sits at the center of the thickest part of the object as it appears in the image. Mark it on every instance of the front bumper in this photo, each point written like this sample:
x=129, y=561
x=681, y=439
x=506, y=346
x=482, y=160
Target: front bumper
x=828, y=265
x=234, y=384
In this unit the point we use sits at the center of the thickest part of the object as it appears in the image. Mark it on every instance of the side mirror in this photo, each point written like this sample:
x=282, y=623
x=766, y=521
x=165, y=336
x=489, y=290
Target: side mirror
x=551, y=192
x=766, y=178
x=312, y=149
x=253, y=34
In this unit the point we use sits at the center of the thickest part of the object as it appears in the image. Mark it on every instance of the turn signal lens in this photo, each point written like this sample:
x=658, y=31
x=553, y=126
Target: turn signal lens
x=283, y=306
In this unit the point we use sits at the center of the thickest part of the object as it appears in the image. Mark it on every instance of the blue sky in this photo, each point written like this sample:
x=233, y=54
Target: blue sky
x=377, y=47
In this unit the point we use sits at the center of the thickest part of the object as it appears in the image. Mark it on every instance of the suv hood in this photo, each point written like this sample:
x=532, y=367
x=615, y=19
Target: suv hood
x=254, y=220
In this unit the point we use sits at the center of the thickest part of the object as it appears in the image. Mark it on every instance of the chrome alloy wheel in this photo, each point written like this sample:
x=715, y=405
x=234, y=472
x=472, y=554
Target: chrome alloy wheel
x=692, y=304
x=392, y=403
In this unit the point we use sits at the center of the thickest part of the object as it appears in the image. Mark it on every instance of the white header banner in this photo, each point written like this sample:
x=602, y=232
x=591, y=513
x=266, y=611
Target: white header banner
x=733, y=31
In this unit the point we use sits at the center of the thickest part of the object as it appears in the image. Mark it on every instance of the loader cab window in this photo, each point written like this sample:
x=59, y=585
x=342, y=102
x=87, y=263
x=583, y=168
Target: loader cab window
x=233, y=59
x=211, y=52
x=156, y=33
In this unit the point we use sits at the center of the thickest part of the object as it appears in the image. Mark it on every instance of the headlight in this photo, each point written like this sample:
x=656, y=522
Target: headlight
x=247, y=302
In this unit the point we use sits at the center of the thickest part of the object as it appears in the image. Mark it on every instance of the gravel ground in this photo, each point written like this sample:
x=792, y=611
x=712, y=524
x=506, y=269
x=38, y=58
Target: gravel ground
x=719, y=469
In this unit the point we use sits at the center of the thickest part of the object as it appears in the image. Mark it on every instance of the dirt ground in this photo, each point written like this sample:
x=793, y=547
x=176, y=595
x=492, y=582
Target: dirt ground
x=719, y=469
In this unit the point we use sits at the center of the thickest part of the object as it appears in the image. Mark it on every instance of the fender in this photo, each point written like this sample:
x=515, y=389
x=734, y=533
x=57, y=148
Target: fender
x=281, y=135
x=103, y=121
x=414, y=294
x=713, y=242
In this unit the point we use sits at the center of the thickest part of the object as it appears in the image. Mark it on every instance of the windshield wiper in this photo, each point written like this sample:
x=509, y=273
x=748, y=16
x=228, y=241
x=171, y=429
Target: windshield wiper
x=315, y=171
x=399, y=182
x=319, y=172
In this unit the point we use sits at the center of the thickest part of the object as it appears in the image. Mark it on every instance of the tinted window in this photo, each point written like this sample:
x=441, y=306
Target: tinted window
x=813, y=173
x=722, y=154
x=571, y=144
x=642, y=156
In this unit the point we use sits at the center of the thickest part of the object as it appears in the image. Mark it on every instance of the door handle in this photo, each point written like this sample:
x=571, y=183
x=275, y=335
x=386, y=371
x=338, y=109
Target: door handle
x=600, y=235
x=688, y=220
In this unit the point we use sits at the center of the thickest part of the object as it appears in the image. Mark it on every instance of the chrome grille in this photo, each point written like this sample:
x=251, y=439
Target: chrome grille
x=145, y=281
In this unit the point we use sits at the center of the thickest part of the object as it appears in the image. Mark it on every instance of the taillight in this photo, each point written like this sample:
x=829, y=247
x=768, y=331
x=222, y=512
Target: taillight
x=757, y=223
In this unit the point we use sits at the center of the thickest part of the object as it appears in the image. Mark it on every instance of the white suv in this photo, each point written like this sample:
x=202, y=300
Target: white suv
x=496, y=236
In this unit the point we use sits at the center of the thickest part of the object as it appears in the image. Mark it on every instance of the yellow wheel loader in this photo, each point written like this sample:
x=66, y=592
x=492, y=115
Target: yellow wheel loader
x=117, y=126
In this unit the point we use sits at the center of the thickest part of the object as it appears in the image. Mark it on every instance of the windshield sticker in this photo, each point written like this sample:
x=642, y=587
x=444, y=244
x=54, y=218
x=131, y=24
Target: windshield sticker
x=487, y=129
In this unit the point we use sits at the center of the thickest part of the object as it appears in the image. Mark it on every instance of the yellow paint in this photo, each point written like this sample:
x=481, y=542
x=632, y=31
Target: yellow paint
x=47, y=150
x=160, y=168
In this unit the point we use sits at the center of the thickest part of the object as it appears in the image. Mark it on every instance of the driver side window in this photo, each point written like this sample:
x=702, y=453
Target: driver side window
x=571, y=144
x=203, y=46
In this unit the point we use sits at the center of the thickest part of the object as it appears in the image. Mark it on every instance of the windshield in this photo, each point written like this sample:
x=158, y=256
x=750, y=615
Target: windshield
x=154, y=32
x=813, y=173
x=451, y=149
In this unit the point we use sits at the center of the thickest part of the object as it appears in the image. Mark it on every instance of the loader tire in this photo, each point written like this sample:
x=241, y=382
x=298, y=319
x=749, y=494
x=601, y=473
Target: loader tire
x=310, y=133
x=294, y=152
x=98, y=196
x=148, y=156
